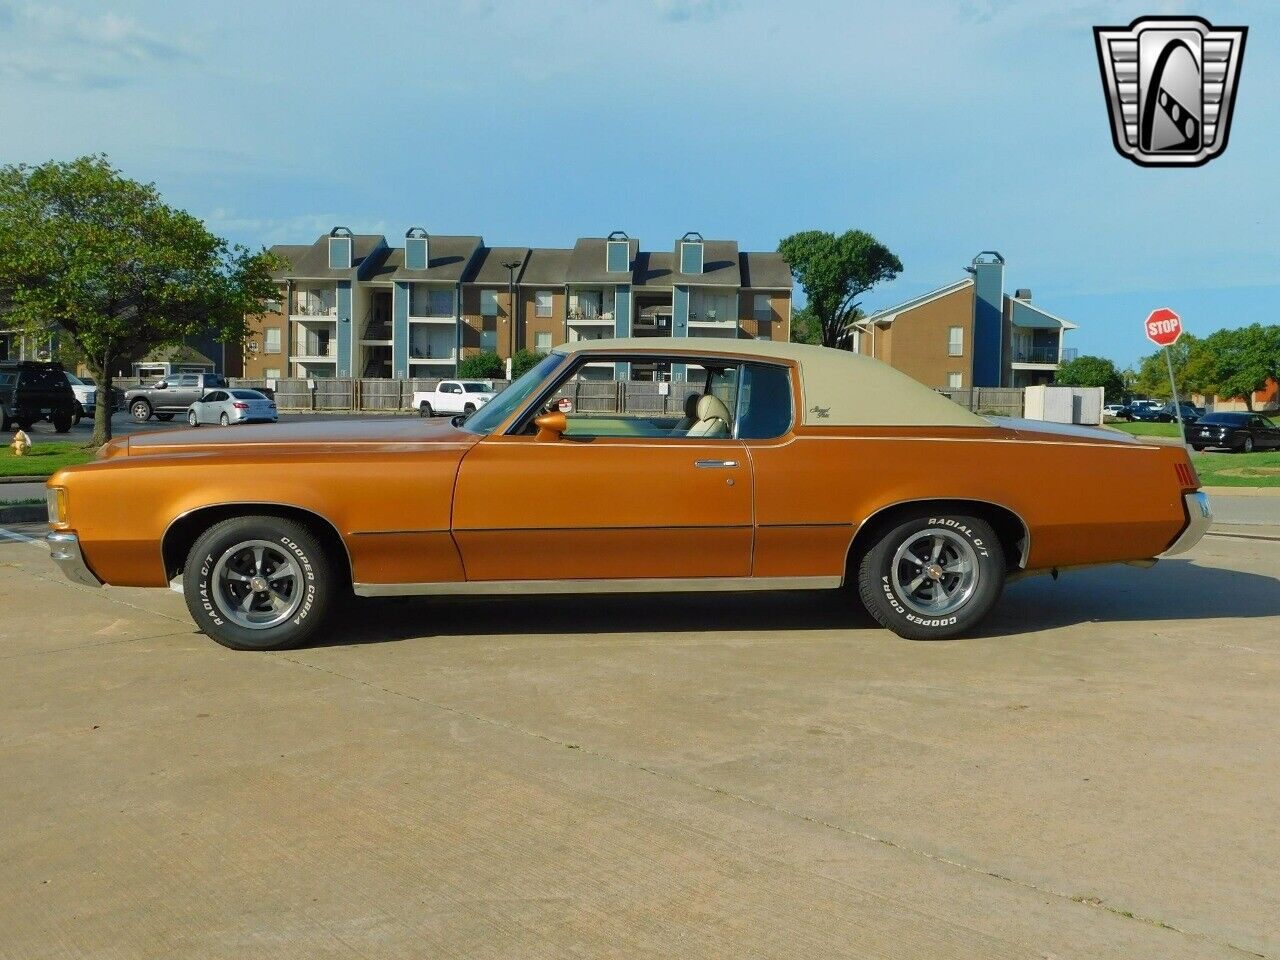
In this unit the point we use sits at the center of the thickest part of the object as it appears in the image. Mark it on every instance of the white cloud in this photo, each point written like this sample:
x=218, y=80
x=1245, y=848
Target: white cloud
x=107, y=34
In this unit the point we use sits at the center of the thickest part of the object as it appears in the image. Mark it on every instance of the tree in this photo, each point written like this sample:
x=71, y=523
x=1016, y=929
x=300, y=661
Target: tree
x=485, y=365
x=524, y=361
x=834, y=272
x=1152, y=377
x=1090, y=371
x=1239, y=362
x=805, y=327
x=106, y=263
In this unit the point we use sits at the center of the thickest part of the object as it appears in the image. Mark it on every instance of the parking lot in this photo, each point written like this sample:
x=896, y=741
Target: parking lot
x=716, y=776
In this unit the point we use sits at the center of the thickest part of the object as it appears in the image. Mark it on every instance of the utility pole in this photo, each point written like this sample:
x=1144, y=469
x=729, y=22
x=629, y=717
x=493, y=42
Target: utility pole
x=511, y=302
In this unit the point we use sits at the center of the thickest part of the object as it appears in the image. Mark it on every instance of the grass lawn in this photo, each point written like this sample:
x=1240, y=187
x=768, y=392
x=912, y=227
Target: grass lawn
x=1146, y=429
x=43, y=460
x=1260, y=469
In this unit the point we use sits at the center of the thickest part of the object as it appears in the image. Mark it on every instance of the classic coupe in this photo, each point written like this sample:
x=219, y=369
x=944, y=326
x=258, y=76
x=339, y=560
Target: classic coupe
x=627, y=465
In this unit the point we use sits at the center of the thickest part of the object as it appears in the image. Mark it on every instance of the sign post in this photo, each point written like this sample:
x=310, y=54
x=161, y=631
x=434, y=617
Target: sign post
x=1164, y=327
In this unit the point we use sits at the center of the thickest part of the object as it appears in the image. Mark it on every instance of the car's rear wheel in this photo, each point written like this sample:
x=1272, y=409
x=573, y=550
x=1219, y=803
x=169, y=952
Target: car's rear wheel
x=224, y=420
x=258, y=583
x=424, y=409
x=140, y=410
x=932, y=576
x=192, y=419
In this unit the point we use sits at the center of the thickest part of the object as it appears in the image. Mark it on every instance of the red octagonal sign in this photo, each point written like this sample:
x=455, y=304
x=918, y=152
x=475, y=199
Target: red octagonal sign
x=1164, y=327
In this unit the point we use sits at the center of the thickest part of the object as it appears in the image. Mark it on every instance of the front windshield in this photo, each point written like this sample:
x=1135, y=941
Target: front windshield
x=488, y=417
x=73, y=380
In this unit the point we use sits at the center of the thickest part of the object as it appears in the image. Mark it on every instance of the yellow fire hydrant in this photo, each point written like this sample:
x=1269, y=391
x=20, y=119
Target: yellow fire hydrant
x=21, y=443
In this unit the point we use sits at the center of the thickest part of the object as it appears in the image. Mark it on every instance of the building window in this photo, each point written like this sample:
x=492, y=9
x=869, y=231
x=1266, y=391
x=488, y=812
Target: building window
x=542, y=341
x=762, y=309
x=271, y=373
x=488, y=303
x=955, y=342
x=542, y=303
x=271, y=340
x=764, y=330
x=955, y=381
x=425, y=301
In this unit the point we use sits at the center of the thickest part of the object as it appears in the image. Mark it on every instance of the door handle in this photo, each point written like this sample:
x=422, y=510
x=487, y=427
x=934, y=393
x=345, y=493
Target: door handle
x=714, y=464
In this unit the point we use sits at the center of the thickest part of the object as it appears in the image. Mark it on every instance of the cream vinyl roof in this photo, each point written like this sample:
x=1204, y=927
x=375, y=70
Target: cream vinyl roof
x=840, y=388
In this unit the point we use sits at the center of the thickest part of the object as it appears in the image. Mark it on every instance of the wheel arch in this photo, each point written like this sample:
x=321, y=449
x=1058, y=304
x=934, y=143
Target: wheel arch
x=185, y=529
x=1010, y=527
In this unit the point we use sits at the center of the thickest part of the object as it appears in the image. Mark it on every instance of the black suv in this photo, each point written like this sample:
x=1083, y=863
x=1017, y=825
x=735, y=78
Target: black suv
x=31, y=391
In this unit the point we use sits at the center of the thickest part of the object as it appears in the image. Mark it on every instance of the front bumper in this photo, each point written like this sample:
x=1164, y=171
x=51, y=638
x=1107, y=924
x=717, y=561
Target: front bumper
x=64, y=548
x=1199, y=519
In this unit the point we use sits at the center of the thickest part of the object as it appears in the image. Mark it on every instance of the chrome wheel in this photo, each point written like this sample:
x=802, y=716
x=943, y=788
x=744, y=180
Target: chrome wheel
x=257, y=584
x=191, y=419
x=935, y=572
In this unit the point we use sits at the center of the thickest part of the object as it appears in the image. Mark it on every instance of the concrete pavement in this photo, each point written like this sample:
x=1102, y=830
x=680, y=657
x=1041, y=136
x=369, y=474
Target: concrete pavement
x=718, y=776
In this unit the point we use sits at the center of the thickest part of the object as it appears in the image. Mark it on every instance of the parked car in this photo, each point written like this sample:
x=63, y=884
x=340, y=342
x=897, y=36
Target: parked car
x=1190, y=412
x=86, y=396
x=1150, y=413
x=453, y=397
x=227, y=407
x=1241, y=432
x=764, y=485
x=1116, y=411
x=31, y=391
x=173, y=395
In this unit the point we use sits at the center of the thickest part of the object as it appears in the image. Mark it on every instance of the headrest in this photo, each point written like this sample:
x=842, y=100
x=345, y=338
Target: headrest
x=691, y=405
x=712, y=408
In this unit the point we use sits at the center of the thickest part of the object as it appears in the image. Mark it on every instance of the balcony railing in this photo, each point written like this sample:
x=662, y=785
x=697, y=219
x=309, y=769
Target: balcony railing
x=1036, y=355
x=319, y=351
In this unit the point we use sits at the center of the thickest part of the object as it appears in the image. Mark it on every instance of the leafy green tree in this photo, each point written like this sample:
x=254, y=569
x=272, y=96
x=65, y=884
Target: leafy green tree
x=834, y=272
x=485, y=365
x=524, y=361
x=1238, y=362
x=1088, y=371
x=1152, y=376
x=805, y=327
x=104, y=261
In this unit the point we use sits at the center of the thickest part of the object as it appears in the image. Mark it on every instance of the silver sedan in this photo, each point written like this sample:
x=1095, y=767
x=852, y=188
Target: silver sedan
x=232, y=406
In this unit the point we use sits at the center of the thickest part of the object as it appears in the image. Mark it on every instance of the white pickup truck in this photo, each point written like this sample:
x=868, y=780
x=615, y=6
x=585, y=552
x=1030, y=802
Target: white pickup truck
x=452, y=397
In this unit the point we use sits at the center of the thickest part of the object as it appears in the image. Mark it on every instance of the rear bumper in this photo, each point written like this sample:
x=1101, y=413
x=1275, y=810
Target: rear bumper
x=1199, y=518
x=64, y=548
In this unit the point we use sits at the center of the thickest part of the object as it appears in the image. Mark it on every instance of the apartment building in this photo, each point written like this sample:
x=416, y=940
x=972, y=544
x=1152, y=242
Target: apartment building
x=969, y=333
x=351, y=305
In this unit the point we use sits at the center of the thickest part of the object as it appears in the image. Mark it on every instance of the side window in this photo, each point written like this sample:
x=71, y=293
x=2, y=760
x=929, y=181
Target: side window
x=640, y=397
x=188, y=380
x=766, y=402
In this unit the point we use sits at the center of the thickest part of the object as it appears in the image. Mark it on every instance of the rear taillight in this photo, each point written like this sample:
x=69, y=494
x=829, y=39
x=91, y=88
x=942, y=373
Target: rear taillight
x=241, y=406
x=1187, y=477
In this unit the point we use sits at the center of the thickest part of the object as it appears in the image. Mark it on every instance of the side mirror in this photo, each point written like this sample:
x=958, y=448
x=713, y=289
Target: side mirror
x=160, y=386
x=550, y=426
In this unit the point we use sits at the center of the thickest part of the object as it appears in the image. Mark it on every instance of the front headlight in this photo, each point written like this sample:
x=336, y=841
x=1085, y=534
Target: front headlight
x=55, y=499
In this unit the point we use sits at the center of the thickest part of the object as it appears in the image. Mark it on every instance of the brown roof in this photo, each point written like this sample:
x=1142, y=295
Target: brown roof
x=587, y=265
x=719, y=265
x=449, y=257
x=312, y=262
x=764, y=271
x=546, y=267
x=488, y=265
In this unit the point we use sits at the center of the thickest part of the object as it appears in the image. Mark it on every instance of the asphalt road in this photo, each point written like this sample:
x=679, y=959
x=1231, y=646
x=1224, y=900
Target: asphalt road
x=717, y=776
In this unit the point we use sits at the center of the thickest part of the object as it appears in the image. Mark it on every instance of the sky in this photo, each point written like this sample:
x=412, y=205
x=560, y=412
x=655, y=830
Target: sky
x=943, y=128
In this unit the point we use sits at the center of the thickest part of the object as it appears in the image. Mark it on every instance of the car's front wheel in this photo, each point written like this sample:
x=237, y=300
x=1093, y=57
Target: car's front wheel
x=258, y=583
x=932, y=576
x=192, y=418
x=1247, y=446
x=469, y=409
x=140, y=410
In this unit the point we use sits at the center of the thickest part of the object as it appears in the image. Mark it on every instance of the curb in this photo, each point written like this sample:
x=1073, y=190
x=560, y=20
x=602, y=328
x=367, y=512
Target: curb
x=1242, y=491
x=32, y=479
x=25, y=513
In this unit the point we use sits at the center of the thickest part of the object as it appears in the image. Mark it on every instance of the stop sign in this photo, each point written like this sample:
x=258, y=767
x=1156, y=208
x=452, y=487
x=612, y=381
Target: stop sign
x=1164, y=327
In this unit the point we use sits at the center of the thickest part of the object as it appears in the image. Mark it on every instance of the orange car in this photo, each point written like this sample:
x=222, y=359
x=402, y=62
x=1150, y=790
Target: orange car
x=738, y=465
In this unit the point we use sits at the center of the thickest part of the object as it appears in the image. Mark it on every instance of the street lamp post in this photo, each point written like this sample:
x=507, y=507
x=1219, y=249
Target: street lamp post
x=511, y=302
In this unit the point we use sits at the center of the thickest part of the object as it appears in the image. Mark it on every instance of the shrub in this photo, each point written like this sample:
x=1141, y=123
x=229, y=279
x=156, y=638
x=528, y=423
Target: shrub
x=524, y=361
x=485, y=365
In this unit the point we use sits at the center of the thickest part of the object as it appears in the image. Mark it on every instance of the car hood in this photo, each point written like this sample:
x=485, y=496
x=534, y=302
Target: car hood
x=1032, y=428
x=289, y=437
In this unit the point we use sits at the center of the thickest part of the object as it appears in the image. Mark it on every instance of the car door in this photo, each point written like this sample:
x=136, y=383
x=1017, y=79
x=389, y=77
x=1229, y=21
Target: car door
x=450, y=397
x=205, y=407
x=1268, y=432
x=184, y=390
x=628, y=499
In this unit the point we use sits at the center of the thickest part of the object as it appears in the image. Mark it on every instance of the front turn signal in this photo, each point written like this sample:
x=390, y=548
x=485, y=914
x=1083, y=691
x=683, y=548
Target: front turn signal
x=56, y=500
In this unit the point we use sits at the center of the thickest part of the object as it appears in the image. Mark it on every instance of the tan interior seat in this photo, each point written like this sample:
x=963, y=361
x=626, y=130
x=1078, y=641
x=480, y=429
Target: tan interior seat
x=690, y=415
x=713, y=418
